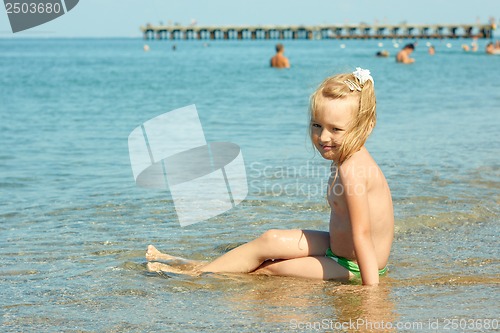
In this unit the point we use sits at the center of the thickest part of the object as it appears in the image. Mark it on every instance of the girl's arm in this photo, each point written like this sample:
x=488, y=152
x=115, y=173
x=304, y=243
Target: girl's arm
x=355, y=190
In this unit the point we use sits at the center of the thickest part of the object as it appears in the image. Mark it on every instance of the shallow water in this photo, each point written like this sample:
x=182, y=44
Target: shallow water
x=75, y=227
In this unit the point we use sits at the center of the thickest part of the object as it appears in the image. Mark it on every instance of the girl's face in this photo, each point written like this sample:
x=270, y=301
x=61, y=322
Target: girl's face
x=330, y=123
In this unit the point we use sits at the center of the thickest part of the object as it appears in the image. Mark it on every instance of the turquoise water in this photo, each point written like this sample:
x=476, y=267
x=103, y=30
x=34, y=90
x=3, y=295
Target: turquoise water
x=74, y=227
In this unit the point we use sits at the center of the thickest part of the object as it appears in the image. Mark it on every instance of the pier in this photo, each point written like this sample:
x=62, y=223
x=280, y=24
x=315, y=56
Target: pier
x=347, y=31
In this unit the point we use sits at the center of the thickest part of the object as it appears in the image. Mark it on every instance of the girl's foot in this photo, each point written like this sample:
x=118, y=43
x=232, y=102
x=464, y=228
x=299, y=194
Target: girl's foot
x=152, y=254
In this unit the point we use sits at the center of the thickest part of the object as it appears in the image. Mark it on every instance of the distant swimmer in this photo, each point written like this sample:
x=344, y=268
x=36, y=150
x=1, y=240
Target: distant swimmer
x=474, y=44
x=146, y=48
x=382, y=54
x=432, y=50
x=403, y=56
x=493, y=48
x=468, y=48
x=279, y=60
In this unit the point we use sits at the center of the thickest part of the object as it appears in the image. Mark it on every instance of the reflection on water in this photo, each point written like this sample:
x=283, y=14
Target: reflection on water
x=289, y=303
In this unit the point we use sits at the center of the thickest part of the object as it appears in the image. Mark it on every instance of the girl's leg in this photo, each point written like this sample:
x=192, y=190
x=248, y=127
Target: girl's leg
x=273, y=244
x=159, y=267
x=314, y=267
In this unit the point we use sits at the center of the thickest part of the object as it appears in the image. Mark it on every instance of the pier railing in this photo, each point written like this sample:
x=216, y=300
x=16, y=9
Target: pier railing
x=360, y=31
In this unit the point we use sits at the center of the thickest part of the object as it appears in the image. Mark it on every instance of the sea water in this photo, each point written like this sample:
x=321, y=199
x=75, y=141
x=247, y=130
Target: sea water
x=74, y=226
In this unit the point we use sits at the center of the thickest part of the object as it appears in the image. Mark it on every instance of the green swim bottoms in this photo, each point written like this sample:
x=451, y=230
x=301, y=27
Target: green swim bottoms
x=349, y=264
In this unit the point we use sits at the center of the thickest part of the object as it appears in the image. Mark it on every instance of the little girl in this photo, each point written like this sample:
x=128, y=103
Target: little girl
x=342, y=116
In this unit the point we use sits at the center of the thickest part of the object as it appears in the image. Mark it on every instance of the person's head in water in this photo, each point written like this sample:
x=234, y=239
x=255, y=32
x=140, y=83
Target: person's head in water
x=342, y=114
x=410, y=46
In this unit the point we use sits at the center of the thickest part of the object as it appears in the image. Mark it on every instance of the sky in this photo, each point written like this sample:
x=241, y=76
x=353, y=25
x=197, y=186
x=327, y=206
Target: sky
x=123, y=18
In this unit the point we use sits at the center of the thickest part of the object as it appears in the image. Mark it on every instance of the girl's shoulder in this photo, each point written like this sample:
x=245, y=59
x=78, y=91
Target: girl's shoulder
x=359, y=166
x=360, y=159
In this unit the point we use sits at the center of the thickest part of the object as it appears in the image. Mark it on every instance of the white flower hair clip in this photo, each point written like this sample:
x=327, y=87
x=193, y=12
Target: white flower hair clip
x=362, y=75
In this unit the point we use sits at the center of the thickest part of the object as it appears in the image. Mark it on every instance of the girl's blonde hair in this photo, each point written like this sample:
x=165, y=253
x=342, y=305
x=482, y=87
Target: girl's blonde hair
x=364, y=119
